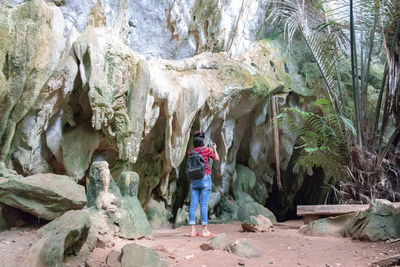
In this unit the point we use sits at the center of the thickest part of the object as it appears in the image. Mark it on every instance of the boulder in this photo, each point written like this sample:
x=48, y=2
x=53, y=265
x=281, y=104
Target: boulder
x=252, y=208
x=246, y=179
x=380, y=222
x=182, y=216
x=257, y=224
x=134, y=255
x=327, y=226
x=114, y=258
x=131, y=219
x=103, y=231
x=60, y=239
x=46, y=196
x=375, y=224
x=218, y=242
x=157, y=214
x=243, y=248
x=227, y=209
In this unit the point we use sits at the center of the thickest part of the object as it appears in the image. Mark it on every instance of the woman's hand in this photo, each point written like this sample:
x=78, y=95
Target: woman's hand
x=215, y=152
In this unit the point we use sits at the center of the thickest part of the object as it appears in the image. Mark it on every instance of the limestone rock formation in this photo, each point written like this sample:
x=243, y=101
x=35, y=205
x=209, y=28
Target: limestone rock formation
x=60, y=239
x=123, y=210
x=247, y=206
x=380, y=222
x=46, y=196
x=127, y=82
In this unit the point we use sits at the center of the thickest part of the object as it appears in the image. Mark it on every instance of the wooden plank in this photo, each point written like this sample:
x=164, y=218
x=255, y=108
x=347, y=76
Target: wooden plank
x=386, y=262
x=332, y=210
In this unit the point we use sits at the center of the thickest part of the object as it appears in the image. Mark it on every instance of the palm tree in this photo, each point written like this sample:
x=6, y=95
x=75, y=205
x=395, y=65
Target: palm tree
x=346, y=30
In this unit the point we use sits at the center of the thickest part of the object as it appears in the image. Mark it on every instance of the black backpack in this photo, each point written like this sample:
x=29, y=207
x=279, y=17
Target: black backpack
x=195, y=166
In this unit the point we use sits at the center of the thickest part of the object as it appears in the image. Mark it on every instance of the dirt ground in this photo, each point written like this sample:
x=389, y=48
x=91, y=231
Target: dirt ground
x=282, y=247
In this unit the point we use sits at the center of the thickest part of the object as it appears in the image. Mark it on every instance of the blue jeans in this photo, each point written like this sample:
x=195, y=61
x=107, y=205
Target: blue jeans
x=200, y=189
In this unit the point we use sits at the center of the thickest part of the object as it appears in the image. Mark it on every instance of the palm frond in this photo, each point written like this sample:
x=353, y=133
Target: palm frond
x=320, y=137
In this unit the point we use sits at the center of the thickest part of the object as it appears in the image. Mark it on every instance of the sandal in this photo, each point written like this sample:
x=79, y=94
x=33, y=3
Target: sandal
x=196, y=234
x=210, y=234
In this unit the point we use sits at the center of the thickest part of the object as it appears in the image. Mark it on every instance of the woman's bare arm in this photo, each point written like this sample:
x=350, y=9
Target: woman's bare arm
x=215, y=152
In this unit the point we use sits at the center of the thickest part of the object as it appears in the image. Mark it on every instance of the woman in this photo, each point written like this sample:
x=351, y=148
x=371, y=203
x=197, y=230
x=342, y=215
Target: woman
x=201, y=188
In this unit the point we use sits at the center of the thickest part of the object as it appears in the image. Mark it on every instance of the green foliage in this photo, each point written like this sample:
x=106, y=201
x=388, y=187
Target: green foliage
x=321, y=137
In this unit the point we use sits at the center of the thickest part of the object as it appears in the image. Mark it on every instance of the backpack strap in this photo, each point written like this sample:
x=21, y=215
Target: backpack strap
x=198, y=152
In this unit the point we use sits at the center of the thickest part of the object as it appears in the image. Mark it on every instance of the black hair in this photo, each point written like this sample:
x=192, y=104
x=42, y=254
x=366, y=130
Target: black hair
x=198, y=141
x=199, y=133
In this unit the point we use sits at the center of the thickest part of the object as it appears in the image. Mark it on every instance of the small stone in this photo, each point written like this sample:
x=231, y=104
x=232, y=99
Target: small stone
x=136, y=255
x=114, y=258
x=218, y=242
x=243, y=248
x=241, y=263
x=188, y=257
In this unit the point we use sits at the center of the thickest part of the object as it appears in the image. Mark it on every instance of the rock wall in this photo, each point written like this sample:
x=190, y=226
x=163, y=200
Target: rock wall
x=87, y=81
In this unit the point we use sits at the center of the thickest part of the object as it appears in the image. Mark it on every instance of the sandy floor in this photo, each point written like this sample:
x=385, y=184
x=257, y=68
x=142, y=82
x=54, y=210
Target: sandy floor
x=283, y=247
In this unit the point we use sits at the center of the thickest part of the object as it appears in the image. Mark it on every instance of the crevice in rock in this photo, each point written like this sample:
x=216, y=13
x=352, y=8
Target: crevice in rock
x=183, y=183
x=151, y=157
x=86, y=64
x=13, y=217
x=5, y=69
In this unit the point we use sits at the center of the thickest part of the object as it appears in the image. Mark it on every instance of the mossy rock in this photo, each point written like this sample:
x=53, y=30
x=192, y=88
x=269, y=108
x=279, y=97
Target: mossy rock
x=227, y=209
x=182, y=217
x=134, y=255
x=243, y=248
x=245, y=181
x=157, y=214
x=131, y=219
x=60, y=239
x=46, y=196
x=375, y=224
x=253, y=208
x=218, y=242
x=373, y=227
